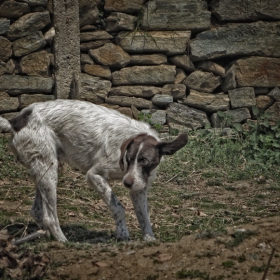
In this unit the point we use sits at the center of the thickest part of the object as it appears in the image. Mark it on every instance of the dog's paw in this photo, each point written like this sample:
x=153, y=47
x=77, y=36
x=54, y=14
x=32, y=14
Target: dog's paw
x=123, y=234
x=149, y=238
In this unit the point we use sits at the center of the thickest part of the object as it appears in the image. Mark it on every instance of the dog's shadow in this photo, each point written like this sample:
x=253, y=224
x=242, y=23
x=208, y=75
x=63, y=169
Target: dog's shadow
x=74, y=233
x=79, y=233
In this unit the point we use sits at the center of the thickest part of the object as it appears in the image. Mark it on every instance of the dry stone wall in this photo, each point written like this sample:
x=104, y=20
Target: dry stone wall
x=180, y=61
x=26, y=58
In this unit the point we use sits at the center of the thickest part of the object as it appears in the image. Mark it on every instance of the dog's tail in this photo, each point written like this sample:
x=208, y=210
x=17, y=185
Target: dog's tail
x=5, y=126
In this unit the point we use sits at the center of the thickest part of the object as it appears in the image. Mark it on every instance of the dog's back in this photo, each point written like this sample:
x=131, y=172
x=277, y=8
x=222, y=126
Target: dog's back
x=86, y=132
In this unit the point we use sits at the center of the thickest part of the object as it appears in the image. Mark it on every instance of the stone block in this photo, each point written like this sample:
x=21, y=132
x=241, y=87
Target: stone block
x=124, y=6
x=125, y=101
x=242, y=97
x=162, y=100
x=119, y=22
x=168, y=42
x=187, y=117
x=135, y=91
x=28, y=44
x=207, y=101
x=275, y=94
x=232, y=116
x=148, y=59
x=97, y=70
x=176, y=15
x=28, y=24
x=227, y=10
x=182, y=61
x=8, y=103
x=28, y=99
x=144, y=75
x=177, y=91
x=17, y=84
x=110, y=55
x=237, y=39
x=202, y=81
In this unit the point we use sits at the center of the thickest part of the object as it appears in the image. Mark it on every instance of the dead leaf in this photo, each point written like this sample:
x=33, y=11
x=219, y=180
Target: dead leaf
x=101, y=264
x=71, y=214
x=164, y=257
x=201, y=214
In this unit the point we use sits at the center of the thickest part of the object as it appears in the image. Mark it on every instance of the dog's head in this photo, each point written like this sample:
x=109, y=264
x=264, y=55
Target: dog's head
x=142, y=155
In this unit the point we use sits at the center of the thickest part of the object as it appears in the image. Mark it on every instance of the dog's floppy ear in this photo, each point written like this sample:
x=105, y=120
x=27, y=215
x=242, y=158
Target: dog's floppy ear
x=169, y=148
x=124, y=147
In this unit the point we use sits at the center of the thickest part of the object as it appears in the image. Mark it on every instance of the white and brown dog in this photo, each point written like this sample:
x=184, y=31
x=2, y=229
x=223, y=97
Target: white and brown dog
x=103, y=143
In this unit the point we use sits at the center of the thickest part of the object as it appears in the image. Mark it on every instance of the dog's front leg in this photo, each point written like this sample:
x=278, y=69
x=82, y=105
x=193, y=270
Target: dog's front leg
x=140, y=204
x=100, y=184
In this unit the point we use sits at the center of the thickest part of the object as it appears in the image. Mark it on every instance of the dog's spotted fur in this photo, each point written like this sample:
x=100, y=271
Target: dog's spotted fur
x=103, y=143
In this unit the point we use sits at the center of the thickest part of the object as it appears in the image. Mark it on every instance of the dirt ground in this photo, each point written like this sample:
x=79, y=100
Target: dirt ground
x=241, y=253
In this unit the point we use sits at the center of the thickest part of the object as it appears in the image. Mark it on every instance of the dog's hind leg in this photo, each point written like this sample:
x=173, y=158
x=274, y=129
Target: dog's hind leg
x=37, y=149
x=44, y=209
x=101, y=185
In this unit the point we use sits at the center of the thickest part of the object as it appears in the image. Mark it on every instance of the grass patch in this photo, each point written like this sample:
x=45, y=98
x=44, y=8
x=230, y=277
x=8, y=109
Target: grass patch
x=228, y=264
x=239, y=237
x=258, y=269
x=199, y=189
x=191, y=274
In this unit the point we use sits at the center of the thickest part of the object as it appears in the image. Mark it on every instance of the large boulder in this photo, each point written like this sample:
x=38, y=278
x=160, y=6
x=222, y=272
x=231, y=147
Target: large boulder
x=145, y=75
x=176, y=15
x=237, y=39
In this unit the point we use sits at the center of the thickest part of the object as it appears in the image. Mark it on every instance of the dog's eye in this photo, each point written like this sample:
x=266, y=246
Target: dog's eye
x=143, y=161
x=129, y=159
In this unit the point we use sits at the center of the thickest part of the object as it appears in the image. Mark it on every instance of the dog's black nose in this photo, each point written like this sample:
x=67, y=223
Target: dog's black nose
x=128, y=182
